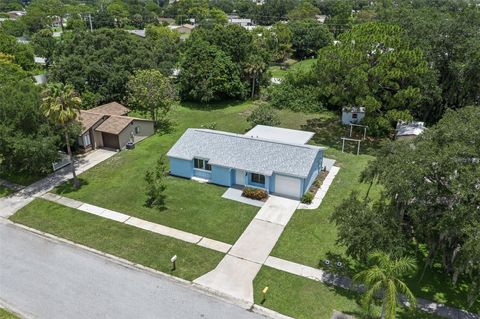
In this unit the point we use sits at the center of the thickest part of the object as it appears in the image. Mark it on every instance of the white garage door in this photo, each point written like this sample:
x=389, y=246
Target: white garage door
x=287, y=186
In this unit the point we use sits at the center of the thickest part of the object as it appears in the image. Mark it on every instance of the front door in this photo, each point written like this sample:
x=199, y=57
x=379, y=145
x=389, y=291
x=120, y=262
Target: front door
x=240, y=177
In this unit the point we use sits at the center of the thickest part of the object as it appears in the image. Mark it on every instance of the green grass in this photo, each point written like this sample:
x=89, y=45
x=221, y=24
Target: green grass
x=4, y=191
x=302, y=66
x=134, y=244
x=312, y=231
x=5, y=314
x=118, y=183
x=305, y=298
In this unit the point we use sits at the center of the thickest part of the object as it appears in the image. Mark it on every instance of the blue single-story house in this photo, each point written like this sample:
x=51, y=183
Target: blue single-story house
x=274, y=159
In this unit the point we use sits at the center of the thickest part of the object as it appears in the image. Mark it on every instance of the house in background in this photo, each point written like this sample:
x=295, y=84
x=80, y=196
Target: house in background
x=409, y=130
x=234, y=19
x=352, y=115
x=108, y=126
x=274, y=159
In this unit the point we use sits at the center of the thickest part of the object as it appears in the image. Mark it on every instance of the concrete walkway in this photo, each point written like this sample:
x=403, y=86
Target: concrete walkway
x=235, y=194
x=9, y=205
x=139, y=223
x=322, y=191
x=12, y=186
x=234, y=275
x=346, y=283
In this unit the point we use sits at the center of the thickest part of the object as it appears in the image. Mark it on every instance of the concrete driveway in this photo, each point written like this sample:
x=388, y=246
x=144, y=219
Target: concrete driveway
x=234, y=275
x=10, y=204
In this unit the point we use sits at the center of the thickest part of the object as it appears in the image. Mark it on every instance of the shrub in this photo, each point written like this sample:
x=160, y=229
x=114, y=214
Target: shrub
x=294, y=97
x=155, y=182
x=264, y=115
x=307, y=198
x=254, y=193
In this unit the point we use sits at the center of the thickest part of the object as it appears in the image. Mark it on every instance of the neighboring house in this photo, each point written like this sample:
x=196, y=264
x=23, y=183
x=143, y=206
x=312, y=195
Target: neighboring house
x=182, y=29
x=352, y=115
x=108, y=126
x=409, y=130
x=240, y=21
x=274, y=159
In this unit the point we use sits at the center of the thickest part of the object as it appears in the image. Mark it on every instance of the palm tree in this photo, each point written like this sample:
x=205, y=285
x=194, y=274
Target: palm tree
x=382, y=279
x=61, y=105
x=254, y=68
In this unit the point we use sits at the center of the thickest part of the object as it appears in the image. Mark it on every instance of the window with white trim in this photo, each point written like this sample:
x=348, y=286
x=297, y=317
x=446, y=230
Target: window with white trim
x=258, y=178
x=201, y=164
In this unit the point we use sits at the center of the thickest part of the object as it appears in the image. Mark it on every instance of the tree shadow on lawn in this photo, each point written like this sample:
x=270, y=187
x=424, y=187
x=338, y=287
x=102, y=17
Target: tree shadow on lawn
x=212, y=105
x=329, y=132
x=67, y=187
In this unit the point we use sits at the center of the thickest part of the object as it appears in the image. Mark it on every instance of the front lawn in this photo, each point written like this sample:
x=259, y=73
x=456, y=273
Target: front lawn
x=134, y=244
x=305, y=298
x=119, y=184
x=5, y=314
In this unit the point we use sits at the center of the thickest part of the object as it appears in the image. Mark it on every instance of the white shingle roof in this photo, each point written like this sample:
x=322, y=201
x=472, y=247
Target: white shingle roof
x=246, y=153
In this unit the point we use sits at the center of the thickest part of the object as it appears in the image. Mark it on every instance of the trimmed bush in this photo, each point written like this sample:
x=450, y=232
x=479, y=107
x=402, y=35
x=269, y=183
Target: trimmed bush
x=307, y=198
x=254, y=193
x=264, y=115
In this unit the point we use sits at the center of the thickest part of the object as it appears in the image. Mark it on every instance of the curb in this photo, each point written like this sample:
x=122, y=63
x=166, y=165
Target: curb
x=268, y=312
x=6, y=306
x=131, y=265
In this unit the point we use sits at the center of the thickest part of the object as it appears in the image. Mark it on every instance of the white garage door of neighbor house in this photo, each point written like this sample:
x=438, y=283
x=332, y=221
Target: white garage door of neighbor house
x=287, y=186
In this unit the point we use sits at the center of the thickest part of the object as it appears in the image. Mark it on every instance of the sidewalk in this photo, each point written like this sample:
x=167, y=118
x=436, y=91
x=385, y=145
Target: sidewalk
x=9, y=205
x=139, y=223
x=322, y=191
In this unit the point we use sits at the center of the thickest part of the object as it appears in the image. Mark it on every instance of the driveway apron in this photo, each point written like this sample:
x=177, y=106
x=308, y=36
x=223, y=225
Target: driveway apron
x=234, y=275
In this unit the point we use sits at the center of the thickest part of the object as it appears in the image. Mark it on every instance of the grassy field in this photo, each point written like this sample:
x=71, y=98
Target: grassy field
x=304, y=298
x=134, y=244
x=4, y=191
x=303, y=66
x=5, y=314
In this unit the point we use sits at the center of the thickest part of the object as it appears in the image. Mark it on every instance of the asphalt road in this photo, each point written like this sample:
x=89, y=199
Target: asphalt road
x=41, y=278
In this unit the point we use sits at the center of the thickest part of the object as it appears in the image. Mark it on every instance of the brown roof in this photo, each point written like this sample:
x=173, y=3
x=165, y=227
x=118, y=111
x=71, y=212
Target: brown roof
x=88, y=119
x=113, y=108
x=115, y=124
